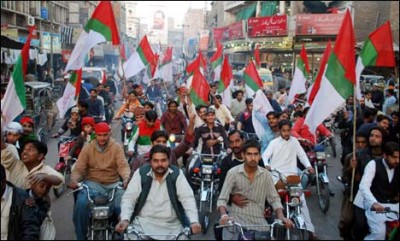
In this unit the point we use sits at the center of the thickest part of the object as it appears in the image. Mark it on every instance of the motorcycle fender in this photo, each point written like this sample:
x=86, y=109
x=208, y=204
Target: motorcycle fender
x=203, y=196
x=323, y=177
x=299, y=222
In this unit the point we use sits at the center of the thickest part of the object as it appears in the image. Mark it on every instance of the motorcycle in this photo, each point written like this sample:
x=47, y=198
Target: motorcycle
x=127, y=128
x=205, y=176
x=290, y=191
x=320, y=179
x=392, y=226
x=64, y=166
x=102, y=221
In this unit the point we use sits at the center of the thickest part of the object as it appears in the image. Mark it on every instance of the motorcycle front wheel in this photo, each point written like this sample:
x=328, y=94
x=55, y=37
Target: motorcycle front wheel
x=323, y=196
x=204, y=215
x=297, y=234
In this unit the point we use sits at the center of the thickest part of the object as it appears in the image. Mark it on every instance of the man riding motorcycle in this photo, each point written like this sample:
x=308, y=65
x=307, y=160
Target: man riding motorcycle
x=100, y=165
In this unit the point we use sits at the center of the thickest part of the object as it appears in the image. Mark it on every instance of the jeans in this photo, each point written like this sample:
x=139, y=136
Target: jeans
x=82, y=206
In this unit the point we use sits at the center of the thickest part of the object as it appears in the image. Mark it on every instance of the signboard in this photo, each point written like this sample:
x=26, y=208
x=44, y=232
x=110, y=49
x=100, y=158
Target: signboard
x=12, y=33
x=34, y=42
x=318, y=24
x=218, y=32
x=44, y=13
x=267, y=26
x=236, y=31
x=46, y=42
x=158, y=31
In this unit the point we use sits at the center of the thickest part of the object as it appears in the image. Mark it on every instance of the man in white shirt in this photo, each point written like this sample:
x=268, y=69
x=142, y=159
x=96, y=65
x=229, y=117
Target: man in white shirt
x=238, y=105
x=222, y=112
x=281, y=155
x=150, y=204
x=379, y=190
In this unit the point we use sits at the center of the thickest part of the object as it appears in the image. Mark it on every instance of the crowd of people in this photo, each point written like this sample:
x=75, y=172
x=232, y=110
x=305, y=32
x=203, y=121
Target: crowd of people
x=157, y=196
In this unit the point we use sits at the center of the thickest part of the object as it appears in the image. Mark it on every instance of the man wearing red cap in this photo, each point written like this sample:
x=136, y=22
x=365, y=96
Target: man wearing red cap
x=100, y=165
x=28, y=127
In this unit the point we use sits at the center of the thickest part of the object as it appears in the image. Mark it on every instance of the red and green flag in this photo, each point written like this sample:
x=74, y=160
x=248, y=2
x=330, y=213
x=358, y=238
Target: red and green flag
x=300, y=76
x=14, y=100
x=101, y=27
x=216, y=62
x=313, y=90
x=71, y=93
x=377, y=51
x=252, y=79
x=140, y=59
x=200, y=89
x=165, y=70
x=338, y=81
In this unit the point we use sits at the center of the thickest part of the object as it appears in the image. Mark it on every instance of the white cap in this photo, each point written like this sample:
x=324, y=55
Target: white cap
x=14, y=127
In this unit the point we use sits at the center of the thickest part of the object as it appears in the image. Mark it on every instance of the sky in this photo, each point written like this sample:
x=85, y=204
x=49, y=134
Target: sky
x=174, y=9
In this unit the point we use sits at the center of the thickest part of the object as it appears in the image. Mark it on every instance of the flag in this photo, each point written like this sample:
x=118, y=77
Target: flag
x=225, y=83
x=14, y=100
x=140, y=59
x=216, y=62
x=165, y=70
x=122, y=53
x=377, y=51
x=257, y=57
x=338, y=79
x=301, y=72
x=261, y=107
x=71, y=93
x=252, y=79
x=200, y=89
x=100, y=28
x=313, y=90
x=198, y=63
x=66, y=34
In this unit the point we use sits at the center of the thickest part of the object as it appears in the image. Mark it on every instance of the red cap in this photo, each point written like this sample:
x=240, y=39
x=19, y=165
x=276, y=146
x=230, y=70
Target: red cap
x=88, y=121
x=26, y=119
x=101, y=127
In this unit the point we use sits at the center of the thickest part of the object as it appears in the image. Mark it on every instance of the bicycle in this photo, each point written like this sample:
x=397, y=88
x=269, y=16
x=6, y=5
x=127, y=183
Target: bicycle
x=133, y=234
x=245, y=234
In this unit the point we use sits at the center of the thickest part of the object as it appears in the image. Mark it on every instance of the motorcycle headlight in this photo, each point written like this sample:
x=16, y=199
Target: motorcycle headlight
x=206, y=169
x=321, y=155
x=172, y=138
x=295, y=191
x=129, y=126
x=100, y=212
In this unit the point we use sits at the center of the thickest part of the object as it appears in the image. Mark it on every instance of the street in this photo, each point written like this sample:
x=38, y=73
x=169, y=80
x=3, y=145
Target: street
x=325, y=224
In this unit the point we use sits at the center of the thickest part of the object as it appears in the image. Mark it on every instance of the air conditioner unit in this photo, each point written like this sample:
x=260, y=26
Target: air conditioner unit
x=30, y=20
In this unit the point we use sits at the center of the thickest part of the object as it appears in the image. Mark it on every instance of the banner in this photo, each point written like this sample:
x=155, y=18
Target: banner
x=236, y=31
x=218, y=33
x=204, y=37
x=267, y=26
x=318, y=24
x=46, y=42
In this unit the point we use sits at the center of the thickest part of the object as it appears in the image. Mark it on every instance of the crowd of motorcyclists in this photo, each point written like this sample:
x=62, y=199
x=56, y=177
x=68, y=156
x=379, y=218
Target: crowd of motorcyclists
x=149, y=180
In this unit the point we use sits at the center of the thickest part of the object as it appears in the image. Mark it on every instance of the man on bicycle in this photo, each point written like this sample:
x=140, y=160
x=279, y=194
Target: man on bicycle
x=255, y=183
x=100, y=165
x=159, y=199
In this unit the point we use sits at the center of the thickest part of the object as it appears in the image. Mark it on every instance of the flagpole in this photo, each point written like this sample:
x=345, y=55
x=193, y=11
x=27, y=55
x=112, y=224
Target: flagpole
x=354, y=145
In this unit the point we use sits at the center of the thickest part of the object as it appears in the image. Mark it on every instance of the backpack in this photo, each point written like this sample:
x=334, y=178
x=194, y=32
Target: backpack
x=146, y=182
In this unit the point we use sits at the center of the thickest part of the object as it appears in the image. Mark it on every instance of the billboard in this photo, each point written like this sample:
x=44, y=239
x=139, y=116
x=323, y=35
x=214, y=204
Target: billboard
x=267, y=26
x=318, y=24
x=158, y=31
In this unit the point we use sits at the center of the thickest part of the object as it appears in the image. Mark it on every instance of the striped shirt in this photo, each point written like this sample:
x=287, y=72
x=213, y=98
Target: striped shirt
x=258, y=191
